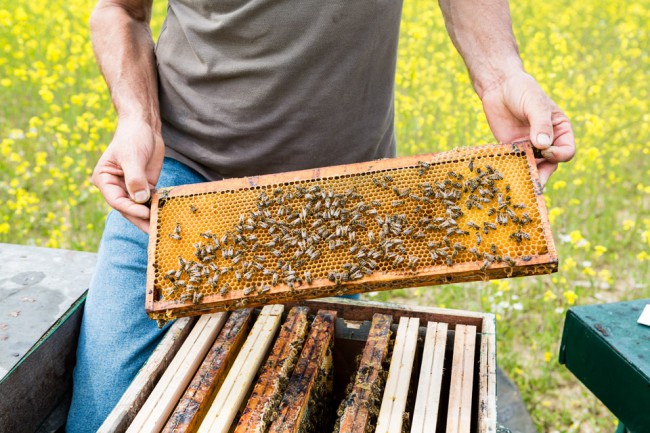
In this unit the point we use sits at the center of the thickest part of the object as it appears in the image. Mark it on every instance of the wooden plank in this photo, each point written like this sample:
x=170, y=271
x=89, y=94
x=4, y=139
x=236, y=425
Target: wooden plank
x=393, y=405
x=274, y=376
x=487, y=406
x=221, y=413
x=199, y=394
x=310, y=381
x=427, y=401
x=360, y=406
x=136, y=394
x=362, y=310
x=459, y=413
x=165, y=395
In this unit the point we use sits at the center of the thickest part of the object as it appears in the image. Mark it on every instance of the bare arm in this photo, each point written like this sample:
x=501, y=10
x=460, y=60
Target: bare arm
x=515, y=105
x=130, y=166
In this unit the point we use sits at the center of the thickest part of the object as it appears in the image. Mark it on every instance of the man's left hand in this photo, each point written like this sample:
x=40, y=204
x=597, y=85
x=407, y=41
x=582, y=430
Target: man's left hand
x=517, y=108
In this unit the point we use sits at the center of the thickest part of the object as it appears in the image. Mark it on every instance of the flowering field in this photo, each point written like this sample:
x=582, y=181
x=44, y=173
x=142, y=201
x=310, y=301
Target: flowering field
x=56, y=118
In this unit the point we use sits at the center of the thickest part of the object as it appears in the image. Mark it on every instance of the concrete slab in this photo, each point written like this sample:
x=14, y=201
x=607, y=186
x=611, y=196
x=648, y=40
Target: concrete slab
x=37, y=285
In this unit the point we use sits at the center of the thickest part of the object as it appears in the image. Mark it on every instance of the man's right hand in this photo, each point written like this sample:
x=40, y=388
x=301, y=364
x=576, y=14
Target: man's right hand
x=129, y=169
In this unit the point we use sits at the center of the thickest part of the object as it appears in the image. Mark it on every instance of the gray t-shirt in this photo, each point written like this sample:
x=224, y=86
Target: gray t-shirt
x=262, y=86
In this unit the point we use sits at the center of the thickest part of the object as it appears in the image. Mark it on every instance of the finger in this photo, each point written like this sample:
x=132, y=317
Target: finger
x=135, y=179
x=142, y=224
x=539, y=115
x=114, y=191
x=545, y=169
x=564, y=147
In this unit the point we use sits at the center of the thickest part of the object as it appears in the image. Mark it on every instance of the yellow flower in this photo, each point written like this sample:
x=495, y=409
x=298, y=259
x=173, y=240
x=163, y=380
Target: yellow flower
x=599, y=250
x=549, y=296
x=569, y=263
x=643, y=256
x=547, y=356
x=628, y=224
x=4, y=228
x=560, y=184
x=589, y=271
x=570, y=297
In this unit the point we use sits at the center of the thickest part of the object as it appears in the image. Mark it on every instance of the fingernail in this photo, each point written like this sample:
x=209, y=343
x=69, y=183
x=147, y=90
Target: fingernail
x=543, y=140
x=141, y=196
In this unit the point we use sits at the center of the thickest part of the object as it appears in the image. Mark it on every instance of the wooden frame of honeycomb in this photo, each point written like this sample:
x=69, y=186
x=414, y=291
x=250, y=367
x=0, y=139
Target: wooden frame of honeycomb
x=469, y=214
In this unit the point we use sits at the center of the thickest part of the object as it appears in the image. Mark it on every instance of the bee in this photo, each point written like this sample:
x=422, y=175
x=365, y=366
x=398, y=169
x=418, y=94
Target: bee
x=181, y=262
x=526, y=258
x=193, y=209
x=413, y=261
x=375, y=203
x=197, y=298
x=397, y=203
x=238, y=276
x=449, y=261
x=479, y=239
x=248, y=290
x=376, y=181
x=249, y=275
x=264, y=289
x=179, y=283
x=388, y=178
x=471, y=164
x=473, y=225
x=308, y=277
x=404, y=193
x=274, y=279
x=175, y=236
x=486, y=264
x=519, y=206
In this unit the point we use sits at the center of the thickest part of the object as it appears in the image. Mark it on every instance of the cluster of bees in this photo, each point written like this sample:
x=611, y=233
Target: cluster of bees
x=293, y=227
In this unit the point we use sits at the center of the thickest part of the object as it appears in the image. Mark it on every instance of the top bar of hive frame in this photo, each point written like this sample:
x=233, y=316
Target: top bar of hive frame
x=185, y=216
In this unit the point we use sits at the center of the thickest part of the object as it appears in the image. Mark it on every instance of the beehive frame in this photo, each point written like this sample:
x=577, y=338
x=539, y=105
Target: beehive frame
x=187, y=218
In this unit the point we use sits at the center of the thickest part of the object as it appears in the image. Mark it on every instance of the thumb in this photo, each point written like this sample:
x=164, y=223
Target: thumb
x=135, y=178
x=541, y=126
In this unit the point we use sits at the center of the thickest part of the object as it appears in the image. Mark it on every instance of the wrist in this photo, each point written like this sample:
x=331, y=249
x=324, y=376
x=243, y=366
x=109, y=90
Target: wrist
x=490, y=74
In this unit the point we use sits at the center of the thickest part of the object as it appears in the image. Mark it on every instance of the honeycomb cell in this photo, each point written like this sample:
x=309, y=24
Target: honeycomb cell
x=472, y=213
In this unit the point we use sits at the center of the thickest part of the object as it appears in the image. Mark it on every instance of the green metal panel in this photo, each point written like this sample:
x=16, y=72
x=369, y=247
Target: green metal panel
x=608, y=351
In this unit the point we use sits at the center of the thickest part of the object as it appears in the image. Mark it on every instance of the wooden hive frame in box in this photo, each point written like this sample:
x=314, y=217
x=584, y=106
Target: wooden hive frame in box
x=469, y=214
x=447, y=355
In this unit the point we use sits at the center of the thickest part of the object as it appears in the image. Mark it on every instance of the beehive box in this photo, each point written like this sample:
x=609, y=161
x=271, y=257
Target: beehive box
x=362, y=353
x=469, y=214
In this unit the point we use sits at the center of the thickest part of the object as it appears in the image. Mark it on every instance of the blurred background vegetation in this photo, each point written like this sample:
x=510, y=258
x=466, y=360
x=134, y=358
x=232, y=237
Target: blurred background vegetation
x=591, y=56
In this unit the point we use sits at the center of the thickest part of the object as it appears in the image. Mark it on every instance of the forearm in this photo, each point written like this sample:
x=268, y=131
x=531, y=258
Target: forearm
x=481, y=31
x=123, y=46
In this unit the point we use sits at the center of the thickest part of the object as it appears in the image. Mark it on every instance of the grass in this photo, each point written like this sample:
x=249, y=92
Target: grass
x=56, y=119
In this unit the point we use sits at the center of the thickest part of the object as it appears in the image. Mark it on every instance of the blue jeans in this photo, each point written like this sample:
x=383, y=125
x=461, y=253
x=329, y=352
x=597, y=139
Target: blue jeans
x=117, y=336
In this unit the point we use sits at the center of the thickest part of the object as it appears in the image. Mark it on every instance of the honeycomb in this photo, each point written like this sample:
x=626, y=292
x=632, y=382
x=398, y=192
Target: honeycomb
x=467, y=214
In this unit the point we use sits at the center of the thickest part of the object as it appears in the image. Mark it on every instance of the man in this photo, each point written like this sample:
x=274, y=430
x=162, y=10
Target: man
x=246, y=87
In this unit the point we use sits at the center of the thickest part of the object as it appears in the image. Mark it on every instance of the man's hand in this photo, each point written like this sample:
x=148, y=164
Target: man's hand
x=517, y=108
x=129, y=169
